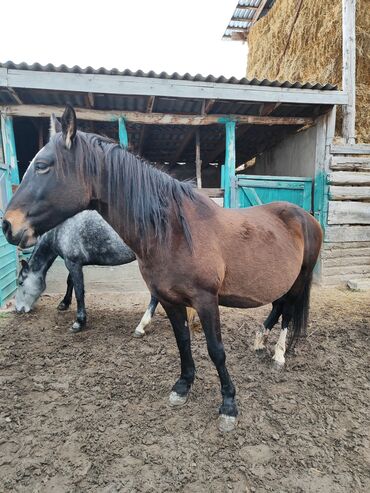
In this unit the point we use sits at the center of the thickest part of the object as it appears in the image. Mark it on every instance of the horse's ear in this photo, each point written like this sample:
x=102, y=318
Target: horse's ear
x=55, y=125
x=24, y=264
x=69, y=125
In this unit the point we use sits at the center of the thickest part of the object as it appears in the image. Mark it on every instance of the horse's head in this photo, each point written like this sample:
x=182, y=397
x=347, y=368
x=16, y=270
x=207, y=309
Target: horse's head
x=51, y=189
x=30, y=287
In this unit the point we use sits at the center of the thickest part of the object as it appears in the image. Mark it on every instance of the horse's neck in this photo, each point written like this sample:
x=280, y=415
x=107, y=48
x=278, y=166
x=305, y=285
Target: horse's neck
x=43, y=255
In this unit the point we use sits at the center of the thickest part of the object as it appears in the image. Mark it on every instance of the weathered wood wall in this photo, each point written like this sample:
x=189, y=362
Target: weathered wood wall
x=346, y=250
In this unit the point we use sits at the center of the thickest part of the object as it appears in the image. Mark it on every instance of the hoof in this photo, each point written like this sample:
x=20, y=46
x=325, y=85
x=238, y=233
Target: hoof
x=76, y=327
x=260, y=353
x=177, y=400
x=139, y=333
x=62, y=307
x=277, y=365
x=226, y=423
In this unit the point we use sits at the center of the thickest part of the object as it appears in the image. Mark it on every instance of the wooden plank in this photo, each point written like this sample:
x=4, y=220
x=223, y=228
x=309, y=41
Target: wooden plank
x=154, y=118
x=344, y=234
x=348, y=178
x=349, y=69
x=198, y=162
x=149, y=109
x=350, y=149
x=349, y=163
x=347, y=261
x=230, y=159
x=349, y=193
x=150, y=86
x=349, y=213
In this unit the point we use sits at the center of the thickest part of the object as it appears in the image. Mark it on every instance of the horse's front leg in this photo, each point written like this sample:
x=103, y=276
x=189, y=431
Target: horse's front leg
x=147, y=317
x=66, y=301
x=75, y=270
x=209, y=316
x=178, y=319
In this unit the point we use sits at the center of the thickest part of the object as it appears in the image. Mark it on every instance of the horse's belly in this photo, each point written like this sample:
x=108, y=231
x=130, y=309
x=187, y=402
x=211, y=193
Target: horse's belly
x=252, y=287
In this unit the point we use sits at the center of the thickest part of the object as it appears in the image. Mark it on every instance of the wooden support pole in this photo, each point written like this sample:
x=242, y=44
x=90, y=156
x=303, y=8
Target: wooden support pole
x=198, y=162
x=7, y=133
x=349, y=69
x=230, y=158
x=122, y=132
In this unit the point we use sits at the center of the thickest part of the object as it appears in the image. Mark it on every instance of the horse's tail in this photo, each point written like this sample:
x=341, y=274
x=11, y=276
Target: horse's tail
x=301, y=308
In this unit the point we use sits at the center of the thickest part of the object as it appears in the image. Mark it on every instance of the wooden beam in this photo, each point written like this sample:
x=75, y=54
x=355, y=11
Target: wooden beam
x=349, y=193
x=349, y=213
x=348, y=178
x=349, y=69
x=350, y=149
x=154, y=118
x=90, y=100
x=349, y=163
x=344, y=234
x=151, y=86
x=230, y=160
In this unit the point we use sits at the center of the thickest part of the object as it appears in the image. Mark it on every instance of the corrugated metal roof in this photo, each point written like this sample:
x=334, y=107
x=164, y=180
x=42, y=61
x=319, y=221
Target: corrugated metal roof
x=246, y=13
x=164, y=75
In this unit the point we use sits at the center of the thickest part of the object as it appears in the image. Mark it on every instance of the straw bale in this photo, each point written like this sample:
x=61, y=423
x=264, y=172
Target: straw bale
x=314, y=52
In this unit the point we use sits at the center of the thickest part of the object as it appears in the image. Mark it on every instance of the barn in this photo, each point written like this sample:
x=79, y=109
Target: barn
x=302, y=41
x=245, y=141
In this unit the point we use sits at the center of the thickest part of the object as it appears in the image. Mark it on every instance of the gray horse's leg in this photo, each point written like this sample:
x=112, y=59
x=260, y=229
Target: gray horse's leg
x=66, y=301
x=77, y=277
x=147, y=317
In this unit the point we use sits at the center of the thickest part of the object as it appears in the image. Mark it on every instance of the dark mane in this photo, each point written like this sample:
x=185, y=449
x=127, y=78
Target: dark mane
x=142, y=194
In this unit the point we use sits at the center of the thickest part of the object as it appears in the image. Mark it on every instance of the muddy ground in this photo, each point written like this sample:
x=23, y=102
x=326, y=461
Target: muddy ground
x=89, y=412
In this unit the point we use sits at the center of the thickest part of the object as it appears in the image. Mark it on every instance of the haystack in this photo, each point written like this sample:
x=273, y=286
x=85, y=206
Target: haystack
x=301, y=40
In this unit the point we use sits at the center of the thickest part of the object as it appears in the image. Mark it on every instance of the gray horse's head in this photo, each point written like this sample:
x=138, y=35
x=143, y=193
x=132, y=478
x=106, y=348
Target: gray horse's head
x=30, y=287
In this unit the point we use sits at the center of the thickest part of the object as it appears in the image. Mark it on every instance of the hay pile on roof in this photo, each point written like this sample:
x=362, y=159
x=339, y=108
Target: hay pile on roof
x=301, y=40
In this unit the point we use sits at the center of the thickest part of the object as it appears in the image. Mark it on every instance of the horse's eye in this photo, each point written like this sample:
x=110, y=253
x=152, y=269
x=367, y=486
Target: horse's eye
x=42, y=168
x=20, y=283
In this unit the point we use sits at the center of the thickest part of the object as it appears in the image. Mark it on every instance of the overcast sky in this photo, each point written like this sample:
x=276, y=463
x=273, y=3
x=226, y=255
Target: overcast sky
x=160, y=35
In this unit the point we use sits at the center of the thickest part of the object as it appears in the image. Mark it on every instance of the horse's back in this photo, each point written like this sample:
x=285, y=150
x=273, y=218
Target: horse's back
x=89, y=239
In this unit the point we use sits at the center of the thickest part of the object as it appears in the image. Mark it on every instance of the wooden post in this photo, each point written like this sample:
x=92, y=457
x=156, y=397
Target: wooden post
x=198, y=162
x=122, y=132
x=229, y=178
x=10, y=153
x=349, y=69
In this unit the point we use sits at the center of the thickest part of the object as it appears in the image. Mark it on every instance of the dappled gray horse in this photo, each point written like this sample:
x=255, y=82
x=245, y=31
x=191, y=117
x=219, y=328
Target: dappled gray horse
x=85, y=239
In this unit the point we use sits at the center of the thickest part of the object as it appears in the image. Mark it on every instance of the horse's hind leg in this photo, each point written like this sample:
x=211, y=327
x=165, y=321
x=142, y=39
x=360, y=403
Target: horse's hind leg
x=181, y=389
x=209, y=316
x=75, y=270
x=263, y=333
x=280, y=347
x=66, y=301
x=147, y=317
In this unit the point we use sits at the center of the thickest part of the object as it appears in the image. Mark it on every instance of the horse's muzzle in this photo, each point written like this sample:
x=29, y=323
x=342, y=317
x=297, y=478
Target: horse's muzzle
x=21, y=238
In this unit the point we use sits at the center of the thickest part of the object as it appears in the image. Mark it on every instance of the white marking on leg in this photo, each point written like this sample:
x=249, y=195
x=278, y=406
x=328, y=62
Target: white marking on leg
x=280, y=348
x=177, y=399
x=139, y=331
x=226, y=423
x=261, y=338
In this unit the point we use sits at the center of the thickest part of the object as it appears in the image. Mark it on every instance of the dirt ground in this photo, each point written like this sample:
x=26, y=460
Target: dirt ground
x=89, y=412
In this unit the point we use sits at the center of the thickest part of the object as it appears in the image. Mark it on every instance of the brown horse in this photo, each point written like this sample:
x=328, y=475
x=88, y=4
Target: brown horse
x=191, y=251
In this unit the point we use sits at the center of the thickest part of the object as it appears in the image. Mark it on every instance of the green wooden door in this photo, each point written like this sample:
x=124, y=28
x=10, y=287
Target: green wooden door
x=256, y=190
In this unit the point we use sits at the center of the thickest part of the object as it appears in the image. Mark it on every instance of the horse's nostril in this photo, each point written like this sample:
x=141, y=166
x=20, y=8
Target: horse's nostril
x=6, y=226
